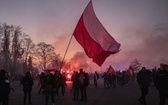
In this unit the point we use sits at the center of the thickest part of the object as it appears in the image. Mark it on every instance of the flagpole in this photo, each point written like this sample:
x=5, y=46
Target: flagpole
x=65, y=52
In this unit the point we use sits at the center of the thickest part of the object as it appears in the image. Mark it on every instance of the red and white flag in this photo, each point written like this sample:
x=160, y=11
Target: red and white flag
x=110, y=70
x=130, y=70
x=98, y=44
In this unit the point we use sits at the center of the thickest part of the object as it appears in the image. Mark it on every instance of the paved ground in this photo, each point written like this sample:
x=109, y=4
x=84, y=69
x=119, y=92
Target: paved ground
x=121, y=95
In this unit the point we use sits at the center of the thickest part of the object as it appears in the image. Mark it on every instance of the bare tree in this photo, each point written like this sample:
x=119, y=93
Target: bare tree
x=30, y=67
x=56, y=62
x=15, y=48
x=12, y=45
x=28, y=50
x=5, y=46
x=45, y=55
x=136, y=65
x=18, y=53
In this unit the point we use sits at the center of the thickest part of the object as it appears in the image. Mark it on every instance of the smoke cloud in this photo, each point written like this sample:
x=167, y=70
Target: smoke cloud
x=79, y=60
x=150, y=45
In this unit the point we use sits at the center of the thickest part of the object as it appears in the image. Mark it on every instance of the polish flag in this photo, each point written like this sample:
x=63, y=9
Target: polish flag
x=98, y=44
x=130, y=70
x=110, y=70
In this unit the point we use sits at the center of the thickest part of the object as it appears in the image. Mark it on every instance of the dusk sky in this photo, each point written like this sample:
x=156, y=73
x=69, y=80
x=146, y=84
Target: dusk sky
x=140, y=26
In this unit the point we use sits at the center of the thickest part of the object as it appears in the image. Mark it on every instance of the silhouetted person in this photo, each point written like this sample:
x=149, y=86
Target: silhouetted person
x=42, y=77
x=75, y=85
x=154, y=76
x=124, y=78
x=95, y=79
x=27, y=83
x=113, y=77
x=143, y=79
x=49, y=87
x=60, y=83
x=105, y=80
x=162, y=84
x=83, y=83
x=4, y=88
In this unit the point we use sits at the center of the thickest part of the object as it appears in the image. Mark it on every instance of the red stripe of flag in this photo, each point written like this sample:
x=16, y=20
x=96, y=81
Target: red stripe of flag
x=130, y=70
x=98, y=44
x=110, y=70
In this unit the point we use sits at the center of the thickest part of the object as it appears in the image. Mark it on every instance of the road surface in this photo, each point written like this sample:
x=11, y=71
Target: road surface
x=121, y=95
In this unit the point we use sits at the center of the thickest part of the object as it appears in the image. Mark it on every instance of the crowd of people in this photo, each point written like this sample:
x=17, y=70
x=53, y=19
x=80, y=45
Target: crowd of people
x=114, y=79
x=50, y=84
x=80, y=81
x=160, y=80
